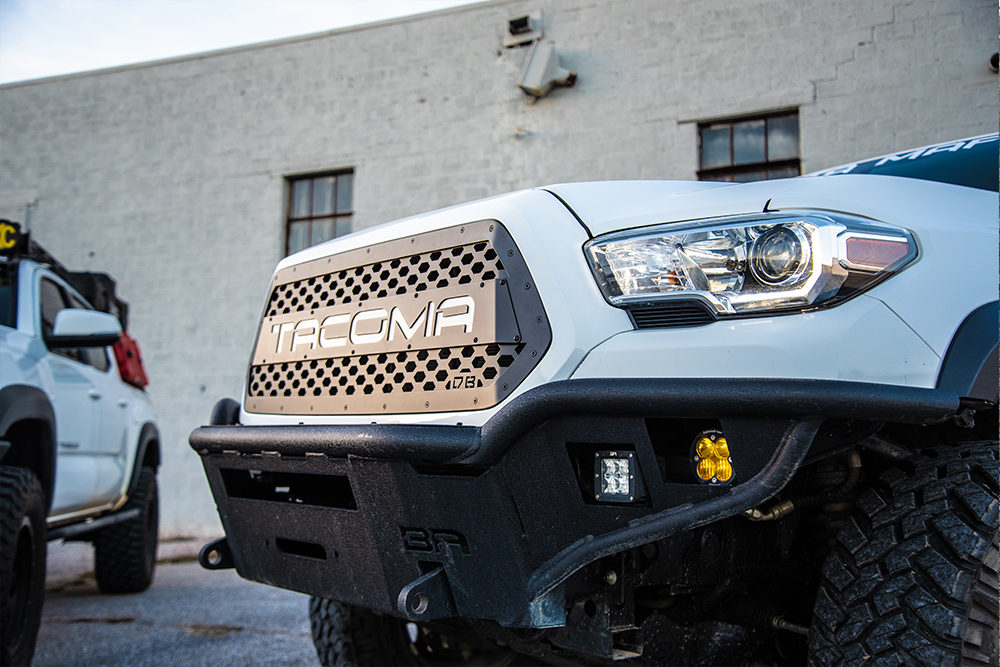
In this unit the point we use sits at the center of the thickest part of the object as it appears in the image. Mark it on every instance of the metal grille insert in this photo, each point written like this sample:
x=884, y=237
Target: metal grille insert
x=459, y=265
x=324, y=345
x=469, y=367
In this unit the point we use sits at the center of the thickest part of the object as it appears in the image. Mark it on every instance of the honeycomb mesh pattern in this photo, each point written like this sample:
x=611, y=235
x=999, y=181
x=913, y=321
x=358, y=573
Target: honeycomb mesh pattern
x=473, y=366
x=458, y=265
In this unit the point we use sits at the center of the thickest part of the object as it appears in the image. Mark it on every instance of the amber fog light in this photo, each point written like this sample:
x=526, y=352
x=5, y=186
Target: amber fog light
x=710, y=459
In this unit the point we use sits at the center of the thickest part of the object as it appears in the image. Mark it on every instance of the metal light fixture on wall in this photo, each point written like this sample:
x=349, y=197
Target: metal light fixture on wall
x=542, y=70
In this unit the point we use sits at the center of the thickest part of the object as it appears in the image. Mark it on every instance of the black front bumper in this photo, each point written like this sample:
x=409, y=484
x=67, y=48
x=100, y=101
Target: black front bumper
x=490, y=522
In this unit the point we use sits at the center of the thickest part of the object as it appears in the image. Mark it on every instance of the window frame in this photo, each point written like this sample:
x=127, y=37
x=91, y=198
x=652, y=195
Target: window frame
x=96, y=358
x=335, y=216
x=730, y=171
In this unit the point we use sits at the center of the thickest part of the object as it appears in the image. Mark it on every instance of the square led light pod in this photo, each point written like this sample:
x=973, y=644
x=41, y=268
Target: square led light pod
x=616, y=477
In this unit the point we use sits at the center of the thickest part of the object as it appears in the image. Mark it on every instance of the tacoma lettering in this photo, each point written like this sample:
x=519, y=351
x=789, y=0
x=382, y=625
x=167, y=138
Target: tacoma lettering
x=374, y=325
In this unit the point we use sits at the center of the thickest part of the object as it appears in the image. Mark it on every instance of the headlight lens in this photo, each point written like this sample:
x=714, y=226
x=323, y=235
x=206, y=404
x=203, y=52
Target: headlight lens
x=749, y=264
x=780, y=256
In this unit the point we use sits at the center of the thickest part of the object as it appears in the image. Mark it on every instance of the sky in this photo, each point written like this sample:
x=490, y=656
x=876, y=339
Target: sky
x=42, y=38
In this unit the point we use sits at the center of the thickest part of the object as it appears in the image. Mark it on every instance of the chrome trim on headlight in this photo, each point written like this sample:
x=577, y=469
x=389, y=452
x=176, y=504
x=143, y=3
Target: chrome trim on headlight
x=747, y=265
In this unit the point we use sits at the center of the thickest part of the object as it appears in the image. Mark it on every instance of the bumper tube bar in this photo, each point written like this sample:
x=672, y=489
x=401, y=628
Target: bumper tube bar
x=690, y=398
x=382, y=441
x=786, y=460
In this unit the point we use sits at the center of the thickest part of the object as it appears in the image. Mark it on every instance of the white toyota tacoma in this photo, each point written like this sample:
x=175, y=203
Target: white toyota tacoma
x=660, y=422
x=79, y=448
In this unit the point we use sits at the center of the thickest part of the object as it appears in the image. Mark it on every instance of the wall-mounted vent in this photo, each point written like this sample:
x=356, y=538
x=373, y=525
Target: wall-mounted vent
x=523, y=30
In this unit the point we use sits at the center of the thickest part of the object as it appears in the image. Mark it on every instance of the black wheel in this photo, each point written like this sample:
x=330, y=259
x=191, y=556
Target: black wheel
x=348, y=636
x=22, y=564
x=125, y=553
x=912, y=579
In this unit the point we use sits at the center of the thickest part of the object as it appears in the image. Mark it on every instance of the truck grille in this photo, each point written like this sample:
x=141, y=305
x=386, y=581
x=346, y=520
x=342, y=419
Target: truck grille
x=404, y=372
x=444, y=321
x=459, y=265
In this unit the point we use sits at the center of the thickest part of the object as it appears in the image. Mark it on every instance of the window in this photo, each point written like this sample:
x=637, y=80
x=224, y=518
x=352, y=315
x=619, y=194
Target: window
x=319, y=208
x=750, y=149
x=54, y=299
x=8, y=294
x=92, y=356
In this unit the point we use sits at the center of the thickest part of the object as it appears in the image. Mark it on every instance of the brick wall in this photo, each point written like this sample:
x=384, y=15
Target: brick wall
x=171, y=175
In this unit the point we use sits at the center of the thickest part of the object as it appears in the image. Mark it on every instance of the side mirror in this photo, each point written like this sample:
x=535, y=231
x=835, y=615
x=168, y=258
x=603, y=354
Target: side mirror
x=84, y=328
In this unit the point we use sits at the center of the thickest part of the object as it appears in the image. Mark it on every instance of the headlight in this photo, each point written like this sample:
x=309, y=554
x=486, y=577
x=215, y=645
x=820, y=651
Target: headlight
x=749, y=264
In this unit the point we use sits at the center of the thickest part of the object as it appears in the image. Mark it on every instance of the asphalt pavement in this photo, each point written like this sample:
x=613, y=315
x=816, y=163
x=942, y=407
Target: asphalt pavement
x=189, y=616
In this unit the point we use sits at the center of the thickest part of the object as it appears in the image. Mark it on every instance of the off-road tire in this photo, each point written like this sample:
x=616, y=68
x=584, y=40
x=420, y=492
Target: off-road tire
x=125, y=553
x=22, y=564
x=912, y=579
x=348, y=636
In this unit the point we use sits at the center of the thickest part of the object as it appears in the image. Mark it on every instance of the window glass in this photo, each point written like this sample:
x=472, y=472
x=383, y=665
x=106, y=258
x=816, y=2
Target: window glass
x=969, y=162
x=782, y=138
x=323, y=196
x=92, y=356
x=322, y=231
x=748, y=142
x=8, y=292
x=52, y=302
x=298, y=236
x=750, y=149
x=345, y=187
x=300, y=199
x=320, y=208
x=715, y=147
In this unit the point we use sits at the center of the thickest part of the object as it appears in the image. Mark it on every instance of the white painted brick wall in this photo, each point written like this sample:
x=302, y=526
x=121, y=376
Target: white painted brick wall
x=171, y=176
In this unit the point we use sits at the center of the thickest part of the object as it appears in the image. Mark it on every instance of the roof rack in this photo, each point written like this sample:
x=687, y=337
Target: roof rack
x=97, y=288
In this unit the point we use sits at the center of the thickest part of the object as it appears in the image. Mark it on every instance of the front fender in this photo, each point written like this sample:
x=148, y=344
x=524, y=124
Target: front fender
x=970, y=366
x=149, y=445
x=21, y=404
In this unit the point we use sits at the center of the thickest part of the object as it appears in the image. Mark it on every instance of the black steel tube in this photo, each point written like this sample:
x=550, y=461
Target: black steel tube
x=385, y=441
x=710, y=398
x=782, y=466
x=619, y=397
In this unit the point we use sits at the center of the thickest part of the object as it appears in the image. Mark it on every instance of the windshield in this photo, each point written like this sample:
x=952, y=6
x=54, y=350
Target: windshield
x=971, y=162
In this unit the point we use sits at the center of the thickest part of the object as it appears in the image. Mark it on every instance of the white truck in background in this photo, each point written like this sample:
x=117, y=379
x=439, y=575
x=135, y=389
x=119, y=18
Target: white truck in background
x=79, y=447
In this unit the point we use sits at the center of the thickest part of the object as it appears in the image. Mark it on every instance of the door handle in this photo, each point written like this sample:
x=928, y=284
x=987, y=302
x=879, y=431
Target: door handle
x=94, y=394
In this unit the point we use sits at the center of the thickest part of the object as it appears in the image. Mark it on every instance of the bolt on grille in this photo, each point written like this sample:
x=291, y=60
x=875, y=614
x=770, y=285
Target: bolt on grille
x=423, y=323
x=469, y=367
x=459, y=265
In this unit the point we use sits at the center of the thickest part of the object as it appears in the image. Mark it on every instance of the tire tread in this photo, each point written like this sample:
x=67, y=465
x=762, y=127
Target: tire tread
x=121, y=564
x=21, y=495
x=898, y=586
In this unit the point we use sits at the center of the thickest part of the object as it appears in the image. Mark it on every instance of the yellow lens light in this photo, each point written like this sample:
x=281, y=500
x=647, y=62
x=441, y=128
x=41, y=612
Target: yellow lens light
x=711, y=458
x=705, y=448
